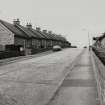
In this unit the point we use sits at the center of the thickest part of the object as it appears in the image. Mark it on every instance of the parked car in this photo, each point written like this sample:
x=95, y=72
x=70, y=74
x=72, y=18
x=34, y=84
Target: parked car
x=56, y=48
x=73, y=46
x=85, y=46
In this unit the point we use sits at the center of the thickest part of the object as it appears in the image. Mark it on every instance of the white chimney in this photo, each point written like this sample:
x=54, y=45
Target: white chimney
x=38, y=29
x=50, y=32
x=45, y=31
x=16, y=22
x=29, y=25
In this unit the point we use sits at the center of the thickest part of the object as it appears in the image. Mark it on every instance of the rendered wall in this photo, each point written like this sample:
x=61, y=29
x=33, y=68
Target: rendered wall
x=6, y=37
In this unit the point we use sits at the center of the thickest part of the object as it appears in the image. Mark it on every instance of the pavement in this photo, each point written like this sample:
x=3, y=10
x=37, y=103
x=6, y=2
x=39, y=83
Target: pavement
x=79, y=86
x=20, y=58
x=34, y=81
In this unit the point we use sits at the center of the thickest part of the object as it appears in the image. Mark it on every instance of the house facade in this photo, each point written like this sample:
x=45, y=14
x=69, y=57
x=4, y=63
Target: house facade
x=27, y=38
x=6, y=37
x=99, y=42
x=19, y=39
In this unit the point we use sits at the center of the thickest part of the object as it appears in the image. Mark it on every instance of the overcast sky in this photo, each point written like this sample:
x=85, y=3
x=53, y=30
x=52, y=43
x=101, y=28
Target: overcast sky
x=72, y=18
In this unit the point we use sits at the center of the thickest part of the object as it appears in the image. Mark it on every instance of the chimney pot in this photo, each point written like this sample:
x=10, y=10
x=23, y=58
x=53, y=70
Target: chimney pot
x=38, y=29
x=50, y=32
x=45, y=31
x=29, y=25
x=16, y=21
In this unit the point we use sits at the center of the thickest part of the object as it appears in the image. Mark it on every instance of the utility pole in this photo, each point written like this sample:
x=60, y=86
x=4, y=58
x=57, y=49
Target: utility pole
x=89, y=40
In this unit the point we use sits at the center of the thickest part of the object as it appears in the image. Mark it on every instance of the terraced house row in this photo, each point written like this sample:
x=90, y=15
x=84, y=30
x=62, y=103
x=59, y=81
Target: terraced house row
x=17, y=37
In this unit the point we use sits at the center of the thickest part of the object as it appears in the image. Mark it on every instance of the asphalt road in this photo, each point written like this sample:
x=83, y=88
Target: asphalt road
x=34, y=81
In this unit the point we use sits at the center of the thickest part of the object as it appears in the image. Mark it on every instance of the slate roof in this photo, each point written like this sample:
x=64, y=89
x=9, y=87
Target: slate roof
x=63, y=38
x=60, y=38
x=44, y=35
x=26, y=31
x=101, y=37
x=56, y=37
x=51, y=36
x=22, y=31
x=13, y=29
x=37, y=33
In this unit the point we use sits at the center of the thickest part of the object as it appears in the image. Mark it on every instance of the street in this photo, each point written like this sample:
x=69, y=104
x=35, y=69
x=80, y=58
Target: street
x=34, y=81
x=52, y=52
x=79, y=86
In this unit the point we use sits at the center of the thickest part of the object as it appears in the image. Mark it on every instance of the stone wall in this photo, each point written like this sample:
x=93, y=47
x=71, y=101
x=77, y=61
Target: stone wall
x=99, y=71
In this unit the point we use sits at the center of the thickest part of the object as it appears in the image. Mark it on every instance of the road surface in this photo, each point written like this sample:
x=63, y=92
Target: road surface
x=34, y=81
x=79, y=86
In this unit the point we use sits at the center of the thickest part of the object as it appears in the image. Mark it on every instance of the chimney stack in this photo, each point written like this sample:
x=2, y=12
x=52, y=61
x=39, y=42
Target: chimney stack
x=29, y=25
x=45, y=31
x=38, y=29
x=16, y=21
x=50, y=32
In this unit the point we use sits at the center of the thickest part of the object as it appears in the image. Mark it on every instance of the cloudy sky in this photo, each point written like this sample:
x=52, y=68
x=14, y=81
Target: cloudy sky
x=72, y=18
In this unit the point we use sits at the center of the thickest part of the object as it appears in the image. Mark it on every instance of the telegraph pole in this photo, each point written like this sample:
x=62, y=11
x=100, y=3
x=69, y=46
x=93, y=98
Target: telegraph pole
x=89, y=40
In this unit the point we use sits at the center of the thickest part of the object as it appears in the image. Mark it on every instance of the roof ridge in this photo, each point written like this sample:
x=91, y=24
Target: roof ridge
x=21, y=29
x=8, y=26
x=43, y=34
x=34, y=33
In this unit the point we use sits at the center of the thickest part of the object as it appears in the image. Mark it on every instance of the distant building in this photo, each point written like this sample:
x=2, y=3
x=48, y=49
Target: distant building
x=99, y=41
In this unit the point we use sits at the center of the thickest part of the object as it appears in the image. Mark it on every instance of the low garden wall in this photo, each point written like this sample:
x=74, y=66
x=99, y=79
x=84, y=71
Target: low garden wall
x=99, y=71
x=8, y=54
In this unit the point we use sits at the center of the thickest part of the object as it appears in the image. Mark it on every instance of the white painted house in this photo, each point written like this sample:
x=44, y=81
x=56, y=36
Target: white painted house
x=6, y=37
